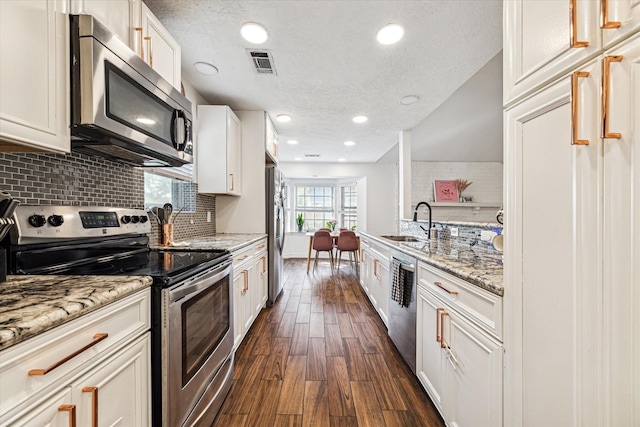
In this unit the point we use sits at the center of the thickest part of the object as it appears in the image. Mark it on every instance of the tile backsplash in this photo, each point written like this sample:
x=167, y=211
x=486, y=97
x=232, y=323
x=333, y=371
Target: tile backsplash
x=80, y=180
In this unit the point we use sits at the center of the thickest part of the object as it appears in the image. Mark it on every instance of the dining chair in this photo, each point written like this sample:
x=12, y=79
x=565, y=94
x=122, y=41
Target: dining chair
x=348, y=242
x=323, y=242
x=324, y=229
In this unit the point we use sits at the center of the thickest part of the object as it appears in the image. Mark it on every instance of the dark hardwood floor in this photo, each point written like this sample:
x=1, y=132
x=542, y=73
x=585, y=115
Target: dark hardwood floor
x=321, y=357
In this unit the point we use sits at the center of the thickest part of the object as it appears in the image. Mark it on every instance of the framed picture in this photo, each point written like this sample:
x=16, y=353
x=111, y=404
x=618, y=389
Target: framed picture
x=445, y=191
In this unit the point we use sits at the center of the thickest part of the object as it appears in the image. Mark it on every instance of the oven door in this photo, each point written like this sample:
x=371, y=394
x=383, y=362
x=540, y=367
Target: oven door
x=198, y=339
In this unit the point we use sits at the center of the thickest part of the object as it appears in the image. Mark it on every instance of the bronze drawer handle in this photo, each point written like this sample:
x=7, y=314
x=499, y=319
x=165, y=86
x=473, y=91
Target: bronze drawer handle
x=71, y=409
x=441, y=286
x=94, y=404
x=96, y=339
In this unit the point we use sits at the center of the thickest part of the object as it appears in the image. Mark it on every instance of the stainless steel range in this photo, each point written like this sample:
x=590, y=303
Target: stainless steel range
x=191, y=332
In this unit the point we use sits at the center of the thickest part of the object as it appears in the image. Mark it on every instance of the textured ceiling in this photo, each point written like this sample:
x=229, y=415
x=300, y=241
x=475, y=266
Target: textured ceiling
x=330, y=67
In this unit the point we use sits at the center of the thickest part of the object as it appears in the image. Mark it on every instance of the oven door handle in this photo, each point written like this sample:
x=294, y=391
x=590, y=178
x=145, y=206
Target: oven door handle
x=200, y=282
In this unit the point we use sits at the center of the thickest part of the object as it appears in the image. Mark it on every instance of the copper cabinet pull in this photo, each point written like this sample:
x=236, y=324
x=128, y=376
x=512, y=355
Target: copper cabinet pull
x=438, y=314
x=71, y=409
x=150, y=49
x=96, y=339
x=443, y=344
x=140, y=43
x=264, y=264
x=94, y=404
x=573, y=24
x=375, y=267
x=604, y=17
x=574, y=108
x=606, y=81
x=245, y=288
x=441, y=286
x=231, y=176
x=260, y=247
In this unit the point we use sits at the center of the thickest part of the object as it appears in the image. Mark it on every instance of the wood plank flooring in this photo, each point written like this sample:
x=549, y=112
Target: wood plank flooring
x=321, y=357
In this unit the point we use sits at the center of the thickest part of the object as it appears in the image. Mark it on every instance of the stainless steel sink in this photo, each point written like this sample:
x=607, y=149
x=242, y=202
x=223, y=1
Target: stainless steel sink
x=397, y=238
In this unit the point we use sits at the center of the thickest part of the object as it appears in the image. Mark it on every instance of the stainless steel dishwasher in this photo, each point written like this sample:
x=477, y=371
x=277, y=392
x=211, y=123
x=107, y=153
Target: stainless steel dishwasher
x=402, y=319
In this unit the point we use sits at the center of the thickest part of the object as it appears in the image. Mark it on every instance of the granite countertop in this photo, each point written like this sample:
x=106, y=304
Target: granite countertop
x=228, y=241
x=30, y=305
x=477, y=266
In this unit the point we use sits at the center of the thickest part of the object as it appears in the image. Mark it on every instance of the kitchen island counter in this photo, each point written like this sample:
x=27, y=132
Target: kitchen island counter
x=33, y=304
x=477, y=266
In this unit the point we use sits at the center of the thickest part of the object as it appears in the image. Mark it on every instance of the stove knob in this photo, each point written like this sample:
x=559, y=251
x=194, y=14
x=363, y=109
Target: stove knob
x=37, y=220
x=126, y=219
x=143, y=219
x=135, y=219
x=55, y=220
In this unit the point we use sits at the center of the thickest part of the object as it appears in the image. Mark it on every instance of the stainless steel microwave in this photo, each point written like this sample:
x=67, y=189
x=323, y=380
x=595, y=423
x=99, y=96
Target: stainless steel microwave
x=121, y=108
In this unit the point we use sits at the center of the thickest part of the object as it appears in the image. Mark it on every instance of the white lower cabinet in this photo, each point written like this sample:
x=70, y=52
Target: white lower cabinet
x=458, y=363
x=375, y=276
x=108, y=382
x=249, y=287
x=261, y=293
x=116, y=392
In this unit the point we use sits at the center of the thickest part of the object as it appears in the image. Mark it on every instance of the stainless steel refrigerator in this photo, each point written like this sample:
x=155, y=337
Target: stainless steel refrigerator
x=275, y=230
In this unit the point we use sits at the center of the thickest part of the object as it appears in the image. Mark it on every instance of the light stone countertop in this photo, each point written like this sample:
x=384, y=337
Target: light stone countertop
x=228, y=241
x=471, y=264
x=30, y=305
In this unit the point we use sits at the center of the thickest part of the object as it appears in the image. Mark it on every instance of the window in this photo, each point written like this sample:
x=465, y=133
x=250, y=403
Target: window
x=320, y=202
x=316, y=204
x=159, y=190
x=349, y=207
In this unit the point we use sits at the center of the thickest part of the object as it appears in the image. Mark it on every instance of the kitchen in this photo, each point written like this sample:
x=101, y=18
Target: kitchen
x=584, y=308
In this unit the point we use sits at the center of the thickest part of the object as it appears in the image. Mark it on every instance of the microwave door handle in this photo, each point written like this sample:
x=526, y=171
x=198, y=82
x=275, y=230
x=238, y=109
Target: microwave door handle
x=174, y=119
x=187, y=133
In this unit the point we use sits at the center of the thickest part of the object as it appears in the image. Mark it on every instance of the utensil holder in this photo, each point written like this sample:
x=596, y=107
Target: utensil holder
x=166, y=234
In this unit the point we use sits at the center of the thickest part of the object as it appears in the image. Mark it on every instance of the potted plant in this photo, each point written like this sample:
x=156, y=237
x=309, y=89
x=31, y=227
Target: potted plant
x=299, y=221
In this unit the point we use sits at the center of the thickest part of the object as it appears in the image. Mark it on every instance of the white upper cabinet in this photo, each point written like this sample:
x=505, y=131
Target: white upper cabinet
x=271, y=141
x=34, y=76
x=219, y=159
x=134, y=23
x=117, y=15
x=160, y=50
x=544, y=39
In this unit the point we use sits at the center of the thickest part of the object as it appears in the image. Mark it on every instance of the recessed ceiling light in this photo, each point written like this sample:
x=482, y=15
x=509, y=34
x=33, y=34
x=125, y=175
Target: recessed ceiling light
x=342, y=160
x=298, y=158
x=283, y=118
x=360, y=119
x=349, y=143
x=409, y=99
x=254, y=33
x=206, y=68
x=292, y=142
x=145, y=121
x=390, y=34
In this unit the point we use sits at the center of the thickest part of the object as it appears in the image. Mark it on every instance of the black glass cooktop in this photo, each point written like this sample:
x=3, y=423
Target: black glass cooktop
x=116, y=257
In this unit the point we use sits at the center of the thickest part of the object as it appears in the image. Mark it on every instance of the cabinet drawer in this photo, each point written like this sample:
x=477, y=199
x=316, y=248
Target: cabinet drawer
x=242, y=257
x=380, y=251
x=121, y=321
x=483, y=308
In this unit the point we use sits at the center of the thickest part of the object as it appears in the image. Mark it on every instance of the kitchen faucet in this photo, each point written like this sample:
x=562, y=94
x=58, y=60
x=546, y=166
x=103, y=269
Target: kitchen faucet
x=415, y=217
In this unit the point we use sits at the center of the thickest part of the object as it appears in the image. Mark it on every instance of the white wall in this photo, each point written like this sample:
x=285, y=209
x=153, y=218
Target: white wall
x=486, y=188
x=378, y=182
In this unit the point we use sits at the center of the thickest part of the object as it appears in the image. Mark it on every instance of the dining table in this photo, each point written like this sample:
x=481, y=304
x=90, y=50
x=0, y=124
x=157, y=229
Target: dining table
x=334, y=235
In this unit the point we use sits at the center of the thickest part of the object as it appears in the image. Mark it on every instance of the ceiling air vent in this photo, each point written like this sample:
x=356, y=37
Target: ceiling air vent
x=262, y=61
x=312, y=155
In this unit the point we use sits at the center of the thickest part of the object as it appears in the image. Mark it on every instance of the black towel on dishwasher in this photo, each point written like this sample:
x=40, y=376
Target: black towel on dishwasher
x=401, y=285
